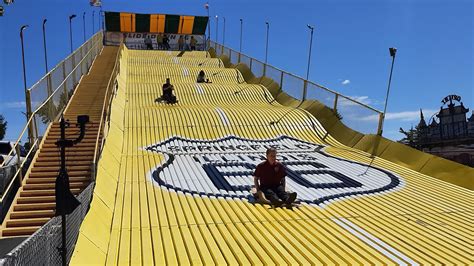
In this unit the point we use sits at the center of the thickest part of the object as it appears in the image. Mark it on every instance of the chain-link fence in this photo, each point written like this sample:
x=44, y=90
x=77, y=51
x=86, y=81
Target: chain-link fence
x=352, y=113
x=42, y=248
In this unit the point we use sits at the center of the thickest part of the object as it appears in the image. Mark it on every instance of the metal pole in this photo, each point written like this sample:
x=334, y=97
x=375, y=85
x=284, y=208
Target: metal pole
x=241, y=25
x=217, y=29
x=48, y=78
x=223, y=34
x=393, y=52
x=63, y=214
x=208, y=22
x=70, y=30
x=44, y=45
x=310, y=45
x=84, y=25
x=93, y=22
x=309, y=63
x=27, y=95
x=266, y=46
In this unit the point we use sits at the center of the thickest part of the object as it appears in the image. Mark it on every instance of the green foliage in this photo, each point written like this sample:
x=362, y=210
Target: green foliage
x=409, y=138
x=412, y=137
x=49, y=111
x=3, y=127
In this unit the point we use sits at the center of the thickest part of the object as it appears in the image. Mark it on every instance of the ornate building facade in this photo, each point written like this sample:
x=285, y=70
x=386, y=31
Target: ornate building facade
x=449, y=133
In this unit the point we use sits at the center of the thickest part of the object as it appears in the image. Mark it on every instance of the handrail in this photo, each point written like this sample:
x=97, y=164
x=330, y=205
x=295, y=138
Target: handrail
x=94, y=43
x=345, y=97
x=64, y=60
x=7, y=190
x=103, y=116
x=46, y=102
x=293, y=75
x=62, y=83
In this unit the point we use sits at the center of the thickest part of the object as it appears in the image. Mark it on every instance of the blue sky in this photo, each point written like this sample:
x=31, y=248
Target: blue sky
x=350, y=48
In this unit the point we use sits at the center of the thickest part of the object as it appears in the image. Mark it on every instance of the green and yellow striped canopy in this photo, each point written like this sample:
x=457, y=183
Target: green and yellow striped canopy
x=155, y=23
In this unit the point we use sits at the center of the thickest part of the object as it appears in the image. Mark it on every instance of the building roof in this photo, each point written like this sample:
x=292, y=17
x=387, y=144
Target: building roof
x=471, y=119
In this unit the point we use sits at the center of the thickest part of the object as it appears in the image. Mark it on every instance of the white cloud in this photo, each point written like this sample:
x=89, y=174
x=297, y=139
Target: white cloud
x=413, y=116
x=345, y=82
x=362, y=99
x=342, y=102
x=14, y=105
x=410, y=115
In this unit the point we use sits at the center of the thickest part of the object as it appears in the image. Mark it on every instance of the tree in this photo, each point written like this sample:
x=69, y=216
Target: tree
x=409, y=138
x=3, y=127
x=49, y=111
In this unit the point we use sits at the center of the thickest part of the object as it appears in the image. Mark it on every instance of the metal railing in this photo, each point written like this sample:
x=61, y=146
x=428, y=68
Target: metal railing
x=352, y=113
x=49, y=96
x=41, y=248
x=105, y=114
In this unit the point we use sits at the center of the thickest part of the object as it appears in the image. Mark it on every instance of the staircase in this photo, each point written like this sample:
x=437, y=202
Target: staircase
x=34, y=203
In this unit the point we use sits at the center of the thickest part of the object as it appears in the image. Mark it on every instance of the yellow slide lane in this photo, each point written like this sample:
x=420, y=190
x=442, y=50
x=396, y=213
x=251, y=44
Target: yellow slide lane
x=173, y=182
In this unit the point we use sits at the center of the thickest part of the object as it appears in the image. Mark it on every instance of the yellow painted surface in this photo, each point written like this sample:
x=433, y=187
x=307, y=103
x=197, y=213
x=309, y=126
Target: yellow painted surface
x=186, y=24
x=127, y=22
x=134, y=221
x=157, y=23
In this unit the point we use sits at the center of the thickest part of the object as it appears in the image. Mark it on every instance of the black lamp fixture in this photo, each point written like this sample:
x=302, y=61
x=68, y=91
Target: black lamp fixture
x=71, y=17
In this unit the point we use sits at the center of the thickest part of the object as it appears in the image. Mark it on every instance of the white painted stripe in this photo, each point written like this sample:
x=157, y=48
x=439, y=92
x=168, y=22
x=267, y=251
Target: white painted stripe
x=374, y=242
x=223, y=116
x=199, y=88
x=175, y=60
x=185, y=71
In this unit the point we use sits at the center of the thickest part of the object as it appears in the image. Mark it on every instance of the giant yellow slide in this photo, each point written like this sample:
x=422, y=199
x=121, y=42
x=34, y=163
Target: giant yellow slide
x=173, y=183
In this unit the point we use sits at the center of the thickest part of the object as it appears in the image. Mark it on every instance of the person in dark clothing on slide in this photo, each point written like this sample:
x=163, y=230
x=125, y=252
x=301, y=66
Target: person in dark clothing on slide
x=167, y=96
x=269, y=177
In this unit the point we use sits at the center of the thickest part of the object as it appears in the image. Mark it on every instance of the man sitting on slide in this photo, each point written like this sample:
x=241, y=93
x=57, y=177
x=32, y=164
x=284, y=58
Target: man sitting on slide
x=269, y=177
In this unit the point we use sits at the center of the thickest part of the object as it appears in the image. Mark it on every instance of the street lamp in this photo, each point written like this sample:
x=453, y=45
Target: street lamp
x=27, y=95
x=84, y=25
x=266, y=46
x=209, y=21
x=241, y=25
x=44, y=45
x=48, y=78
x=393, y=52
x=310, y=45
x=223, y=33
x=70, y=29
x=217, y=29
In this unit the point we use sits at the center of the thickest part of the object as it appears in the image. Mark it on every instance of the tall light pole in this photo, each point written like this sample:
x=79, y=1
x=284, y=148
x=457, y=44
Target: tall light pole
x=223, y=33
x=208, y=21
x=93, y=21
x=84, y=25
x=310, y=45
x=393, y=52
x=27, y=95
x=266, y=45
x=70, y=29
x=44, y=45
x=48, y=78
x=241, y=25
x=217, y=29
